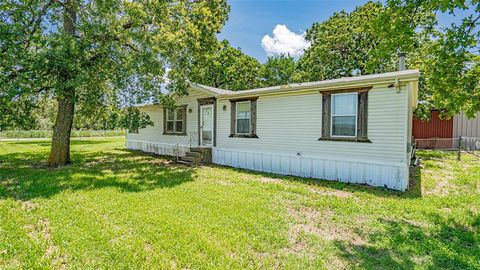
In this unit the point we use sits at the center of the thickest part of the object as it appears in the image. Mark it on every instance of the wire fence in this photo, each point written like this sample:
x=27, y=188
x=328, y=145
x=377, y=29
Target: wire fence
x=462, y=144
x=448, y=144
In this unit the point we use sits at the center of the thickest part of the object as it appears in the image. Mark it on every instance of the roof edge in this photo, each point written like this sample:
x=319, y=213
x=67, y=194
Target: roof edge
x=208, y=89
x=341, y=83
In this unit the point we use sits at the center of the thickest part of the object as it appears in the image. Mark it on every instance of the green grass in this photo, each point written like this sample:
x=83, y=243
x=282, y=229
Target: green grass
x=120, y=209
x=28, y=134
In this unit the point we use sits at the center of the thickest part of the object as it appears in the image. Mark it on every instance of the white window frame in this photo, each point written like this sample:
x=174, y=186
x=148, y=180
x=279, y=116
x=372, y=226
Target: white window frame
x=236, y=118
x=332, y=115
x=175, y=120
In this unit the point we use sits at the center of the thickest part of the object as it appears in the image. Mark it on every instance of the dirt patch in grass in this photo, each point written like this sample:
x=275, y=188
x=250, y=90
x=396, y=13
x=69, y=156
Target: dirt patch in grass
x=319, y=224
x=263, y=179
x=334, y=193
x=270, y=180
x=225, y=183
x=42, y=232
x=29, y=206
x=444, y=183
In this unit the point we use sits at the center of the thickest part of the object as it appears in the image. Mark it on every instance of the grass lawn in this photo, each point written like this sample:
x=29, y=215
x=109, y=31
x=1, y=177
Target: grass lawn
x=115, y=208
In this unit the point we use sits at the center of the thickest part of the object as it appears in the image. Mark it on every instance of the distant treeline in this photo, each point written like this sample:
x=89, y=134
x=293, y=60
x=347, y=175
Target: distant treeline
x=19, y=134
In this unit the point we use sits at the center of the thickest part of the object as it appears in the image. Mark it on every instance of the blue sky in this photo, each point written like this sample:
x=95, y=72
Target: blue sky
x=251, y=20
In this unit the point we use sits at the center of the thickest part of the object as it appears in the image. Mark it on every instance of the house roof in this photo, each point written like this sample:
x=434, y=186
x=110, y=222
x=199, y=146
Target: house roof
x=339, y=84
x=213, y=90
x=330, y=85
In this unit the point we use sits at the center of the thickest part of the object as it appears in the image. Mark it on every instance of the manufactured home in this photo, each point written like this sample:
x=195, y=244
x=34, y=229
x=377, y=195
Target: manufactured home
x=355, y=129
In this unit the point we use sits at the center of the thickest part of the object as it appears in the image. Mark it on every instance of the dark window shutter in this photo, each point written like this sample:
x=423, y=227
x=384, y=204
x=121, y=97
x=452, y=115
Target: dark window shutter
x=164, y=121
x=326, y=113
x=184, y=122
x=232, y=117
x=253, y=116
x=362, y=119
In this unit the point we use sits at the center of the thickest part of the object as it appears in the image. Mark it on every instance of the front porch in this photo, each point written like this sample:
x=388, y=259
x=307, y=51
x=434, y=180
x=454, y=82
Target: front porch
x=196, y=155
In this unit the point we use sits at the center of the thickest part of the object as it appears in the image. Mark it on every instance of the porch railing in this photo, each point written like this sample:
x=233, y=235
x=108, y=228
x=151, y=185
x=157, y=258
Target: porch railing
x=191, y=140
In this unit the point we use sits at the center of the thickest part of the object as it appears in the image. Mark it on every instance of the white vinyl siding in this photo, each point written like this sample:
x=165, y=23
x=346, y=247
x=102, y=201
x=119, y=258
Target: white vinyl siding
x=292, y=124
x=289, y=127
x=154, y=133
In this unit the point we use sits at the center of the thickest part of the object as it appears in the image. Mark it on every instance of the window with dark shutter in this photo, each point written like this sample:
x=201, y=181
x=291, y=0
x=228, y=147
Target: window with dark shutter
x=175, y=121
x=243, y=118
x=344, y=115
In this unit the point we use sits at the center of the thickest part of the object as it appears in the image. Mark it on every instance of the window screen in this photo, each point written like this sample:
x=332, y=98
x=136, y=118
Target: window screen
x=344, y=115
x=174, y=120
x=243, y=117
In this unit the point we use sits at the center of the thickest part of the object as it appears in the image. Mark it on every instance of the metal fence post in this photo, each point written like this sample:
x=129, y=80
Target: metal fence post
x=459, y=155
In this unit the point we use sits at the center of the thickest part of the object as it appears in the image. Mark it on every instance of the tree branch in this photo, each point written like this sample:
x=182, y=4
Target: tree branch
x=36, y=22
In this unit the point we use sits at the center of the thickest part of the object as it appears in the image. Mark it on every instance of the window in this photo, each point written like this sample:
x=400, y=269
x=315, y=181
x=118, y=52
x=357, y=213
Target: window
x=344, y=115
x=243, y=118
x=175, y=121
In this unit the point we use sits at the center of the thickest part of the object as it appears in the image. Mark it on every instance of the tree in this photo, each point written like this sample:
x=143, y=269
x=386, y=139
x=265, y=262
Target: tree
x=450, y=62
x=83, y=53
x=227, y=68
x=344, y=45
x=17, y=113
x=369, y=39
x=278, y=70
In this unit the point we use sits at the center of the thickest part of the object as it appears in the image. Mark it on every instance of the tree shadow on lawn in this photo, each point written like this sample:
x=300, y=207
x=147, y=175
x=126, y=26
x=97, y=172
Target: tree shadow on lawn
x=23, y=177
x=404, y=245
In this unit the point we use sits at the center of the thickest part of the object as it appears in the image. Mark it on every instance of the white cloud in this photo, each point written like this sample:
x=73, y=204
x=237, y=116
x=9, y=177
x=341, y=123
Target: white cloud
x=284, y=41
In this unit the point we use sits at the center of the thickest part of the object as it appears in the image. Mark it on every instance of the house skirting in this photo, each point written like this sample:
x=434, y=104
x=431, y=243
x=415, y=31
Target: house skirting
x=382, y=174
x=158, y=148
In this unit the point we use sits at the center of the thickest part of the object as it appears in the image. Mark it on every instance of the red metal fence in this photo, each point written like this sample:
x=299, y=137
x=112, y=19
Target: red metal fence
x=436, y=129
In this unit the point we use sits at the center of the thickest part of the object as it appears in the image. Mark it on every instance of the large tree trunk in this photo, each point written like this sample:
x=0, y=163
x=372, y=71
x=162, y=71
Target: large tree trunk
x=60, y=150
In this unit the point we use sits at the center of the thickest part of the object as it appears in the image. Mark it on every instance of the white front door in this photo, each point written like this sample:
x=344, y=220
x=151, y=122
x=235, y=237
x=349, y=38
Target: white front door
x=206, y=125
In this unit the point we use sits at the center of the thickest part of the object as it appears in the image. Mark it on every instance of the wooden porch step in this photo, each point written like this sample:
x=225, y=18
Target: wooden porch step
x=185, y=162
x=194, y=154
x=189, y=159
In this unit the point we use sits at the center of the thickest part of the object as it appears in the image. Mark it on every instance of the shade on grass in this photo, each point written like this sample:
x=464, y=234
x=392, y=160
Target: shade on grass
x=115, y=208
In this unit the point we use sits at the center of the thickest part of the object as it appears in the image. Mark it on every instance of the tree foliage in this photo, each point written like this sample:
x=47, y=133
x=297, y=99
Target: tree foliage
x=278, y=70
x=349, y=44
x=133, y=119
x=450, y=58
x=369, y=39
x=228, y=68
x=86, y=54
